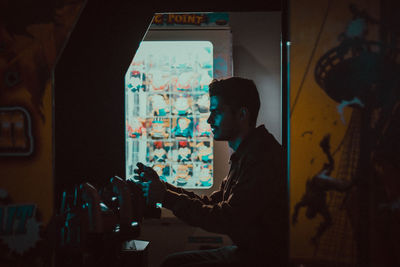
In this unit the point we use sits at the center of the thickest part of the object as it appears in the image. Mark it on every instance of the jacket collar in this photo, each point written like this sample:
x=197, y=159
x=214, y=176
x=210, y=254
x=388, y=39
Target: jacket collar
x=253, y=136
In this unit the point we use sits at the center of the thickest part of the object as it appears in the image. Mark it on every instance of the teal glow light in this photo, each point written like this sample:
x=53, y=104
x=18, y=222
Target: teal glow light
x=178, y=48
x=285, y=76
x=167, y=104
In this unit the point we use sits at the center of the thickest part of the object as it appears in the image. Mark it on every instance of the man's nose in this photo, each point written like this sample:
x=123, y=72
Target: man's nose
x=209, y=119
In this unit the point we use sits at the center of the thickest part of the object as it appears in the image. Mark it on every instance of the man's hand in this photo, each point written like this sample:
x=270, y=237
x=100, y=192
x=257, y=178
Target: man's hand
x=153, y=188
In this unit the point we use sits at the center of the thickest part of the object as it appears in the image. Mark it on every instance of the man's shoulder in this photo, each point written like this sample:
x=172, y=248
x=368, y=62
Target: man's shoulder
x=263, y=146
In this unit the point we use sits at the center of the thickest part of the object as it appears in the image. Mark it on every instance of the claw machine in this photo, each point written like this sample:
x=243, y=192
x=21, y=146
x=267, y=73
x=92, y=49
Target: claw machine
x=167, y=101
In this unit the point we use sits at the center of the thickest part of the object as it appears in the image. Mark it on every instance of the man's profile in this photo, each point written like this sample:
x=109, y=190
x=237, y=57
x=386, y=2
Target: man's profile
x=251, y=205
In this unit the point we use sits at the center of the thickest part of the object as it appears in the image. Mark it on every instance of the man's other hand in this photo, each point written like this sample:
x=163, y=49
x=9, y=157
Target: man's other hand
x=153, y=188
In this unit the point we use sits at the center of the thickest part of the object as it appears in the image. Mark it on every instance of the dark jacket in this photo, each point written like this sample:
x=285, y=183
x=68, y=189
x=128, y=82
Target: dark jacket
x=251, y=206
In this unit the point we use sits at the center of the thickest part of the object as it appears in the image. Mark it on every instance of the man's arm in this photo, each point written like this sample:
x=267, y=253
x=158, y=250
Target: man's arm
x=257, y=193
x=214, y=198
x=154, y=189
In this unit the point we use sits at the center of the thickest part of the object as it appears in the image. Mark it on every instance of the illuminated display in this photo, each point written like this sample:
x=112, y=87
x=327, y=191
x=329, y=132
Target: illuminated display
x=167, y=106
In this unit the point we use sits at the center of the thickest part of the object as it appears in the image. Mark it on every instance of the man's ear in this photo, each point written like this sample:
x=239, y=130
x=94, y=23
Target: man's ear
x=243, y=113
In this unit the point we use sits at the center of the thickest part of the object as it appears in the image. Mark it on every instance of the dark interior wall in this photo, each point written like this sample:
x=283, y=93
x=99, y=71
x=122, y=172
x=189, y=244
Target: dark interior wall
x=256, y=53
x=89, y=91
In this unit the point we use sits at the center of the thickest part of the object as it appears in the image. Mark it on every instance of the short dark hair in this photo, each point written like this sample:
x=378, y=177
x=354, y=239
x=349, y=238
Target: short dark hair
x=238, y=92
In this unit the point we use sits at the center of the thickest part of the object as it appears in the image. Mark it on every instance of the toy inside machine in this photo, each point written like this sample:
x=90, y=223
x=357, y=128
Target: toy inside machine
x=167, y=106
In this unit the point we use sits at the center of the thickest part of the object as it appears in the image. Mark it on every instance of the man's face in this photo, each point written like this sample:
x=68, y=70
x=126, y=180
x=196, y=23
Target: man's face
x=222, y=120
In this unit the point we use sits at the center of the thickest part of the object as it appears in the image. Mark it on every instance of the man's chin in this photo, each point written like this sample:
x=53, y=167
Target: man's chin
x=219, y=138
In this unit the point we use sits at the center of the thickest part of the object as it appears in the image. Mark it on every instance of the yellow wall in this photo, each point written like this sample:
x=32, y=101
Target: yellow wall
x=314, y=111
x=32, y=53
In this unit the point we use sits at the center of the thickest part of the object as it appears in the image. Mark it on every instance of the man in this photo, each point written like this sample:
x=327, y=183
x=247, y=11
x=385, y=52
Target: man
x=251, y=206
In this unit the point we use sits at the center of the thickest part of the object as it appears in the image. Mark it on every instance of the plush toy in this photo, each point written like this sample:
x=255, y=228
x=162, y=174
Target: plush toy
x=183, y=128
x=205, y=80
x=135, y=129
x=161, y=170
x=159, y=81
x=182, y=106
x=182, y=175
x=203, y=129
x=159, y=105
x=185, y=81
x=159, y=153
x=158, y=130
x=203, y=103
x=134, y=81
x=205, y=152
x=205, y=178
x=184, y=152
